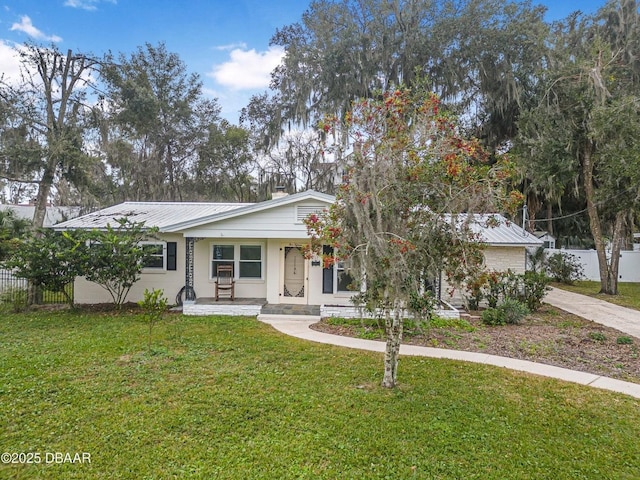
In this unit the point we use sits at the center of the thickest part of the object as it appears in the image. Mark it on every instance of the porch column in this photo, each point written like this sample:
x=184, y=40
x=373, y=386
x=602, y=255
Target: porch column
x=189, y=292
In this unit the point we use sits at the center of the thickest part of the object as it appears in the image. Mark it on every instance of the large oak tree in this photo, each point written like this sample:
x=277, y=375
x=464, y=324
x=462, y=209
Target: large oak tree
x=584, y=130
x=478, y=55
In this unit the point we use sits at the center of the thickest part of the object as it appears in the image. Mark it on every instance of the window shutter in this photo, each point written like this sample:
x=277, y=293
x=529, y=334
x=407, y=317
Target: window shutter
x=327, y=273
x=172, y=255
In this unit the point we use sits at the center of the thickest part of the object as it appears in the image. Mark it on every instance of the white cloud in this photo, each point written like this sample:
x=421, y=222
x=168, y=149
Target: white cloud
x=247, y=69
x=232, y=46
x=9, y=62
x=85, y=4
x=27, y=27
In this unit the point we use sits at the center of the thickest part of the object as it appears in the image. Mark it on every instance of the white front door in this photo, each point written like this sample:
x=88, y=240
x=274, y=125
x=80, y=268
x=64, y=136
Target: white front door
x=294, y=276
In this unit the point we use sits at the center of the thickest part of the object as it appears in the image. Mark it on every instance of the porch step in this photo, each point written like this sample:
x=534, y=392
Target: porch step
x=269, y=317
x=288, y=309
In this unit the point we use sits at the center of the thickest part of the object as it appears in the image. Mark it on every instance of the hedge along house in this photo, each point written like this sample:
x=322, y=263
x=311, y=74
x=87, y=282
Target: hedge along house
x=263, y=242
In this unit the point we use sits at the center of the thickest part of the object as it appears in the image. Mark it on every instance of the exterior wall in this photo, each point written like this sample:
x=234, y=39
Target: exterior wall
x=496, y=258
x=169, y=281
x=204, y=282
x=278, y=222
x=227, y=309
x=270, y=286
x=316, y=297
x=505, y=258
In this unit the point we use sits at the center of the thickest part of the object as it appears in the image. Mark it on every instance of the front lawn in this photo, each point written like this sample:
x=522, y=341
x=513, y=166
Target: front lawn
x=228, y=398
x=628, y=293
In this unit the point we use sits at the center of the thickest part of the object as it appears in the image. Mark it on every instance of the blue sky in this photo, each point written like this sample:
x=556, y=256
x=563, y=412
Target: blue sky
x=225, y=41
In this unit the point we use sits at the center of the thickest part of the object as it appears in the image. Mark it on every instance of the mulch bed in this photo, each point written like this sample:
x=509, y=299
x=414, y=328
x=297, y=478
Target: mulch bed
x=549, y=336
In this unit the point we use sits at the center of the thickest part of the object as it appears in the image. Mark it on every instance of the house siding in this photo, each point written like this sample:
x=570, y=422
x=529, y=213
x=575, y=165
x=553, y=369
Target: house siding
x=496, y=258
x=278, y=222
x=273, y=226
x=169, y=281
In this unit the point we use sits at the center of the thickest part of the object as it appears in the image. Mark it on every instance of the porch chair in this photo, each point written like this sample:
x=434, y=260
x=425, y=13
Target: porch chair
x=224, y=281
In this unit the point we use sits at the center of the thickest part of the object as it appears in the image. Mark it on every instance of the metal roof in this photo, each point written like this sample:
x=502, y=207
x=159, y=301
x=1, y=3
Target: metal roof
x=496, y=230
x=178, y=216
x=153, y=214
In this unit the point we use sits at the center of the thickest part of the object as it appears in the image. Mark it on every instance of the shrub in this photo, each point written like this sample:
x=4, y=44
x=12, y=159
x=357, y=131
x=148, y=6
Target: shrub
x=564, y=268
x=537, y=260
x=116, y=256
x=475, y=287
x=510, y=312
x=154, y=305
x=50, y=261
x=624, y=340
x=422, y=304
x=528, y=288
x=512, y=285
x=535, y=287
x=494, y=289
x=513, y=311
x=491, y=316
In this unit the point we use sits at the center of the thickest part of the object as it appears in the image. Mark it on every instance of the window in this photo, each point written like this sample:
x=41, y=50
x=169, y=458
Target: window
x=154, y=255
x=222, y=255
x=335, y=279
x=246, y=260
x=343, y=279
x=158, y=256
x=250, y=261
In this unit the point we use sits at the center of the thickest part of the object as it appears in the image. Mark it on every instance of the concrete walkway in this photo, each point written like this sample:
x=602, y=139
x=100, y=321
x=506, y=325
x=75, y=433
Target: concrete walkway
x=624, y=319
x=298, y=326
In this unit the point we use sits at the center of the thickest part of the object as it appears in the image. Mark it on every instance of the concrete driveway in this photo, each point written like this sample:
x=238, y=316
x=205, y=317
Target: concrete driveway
x=624, y=319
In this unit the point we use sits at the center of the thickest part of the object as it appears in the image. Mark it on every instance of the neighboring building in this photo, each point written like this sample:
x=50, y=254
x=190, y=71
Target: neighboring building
x=52, y=215
x=548, y=239
x=264, y=244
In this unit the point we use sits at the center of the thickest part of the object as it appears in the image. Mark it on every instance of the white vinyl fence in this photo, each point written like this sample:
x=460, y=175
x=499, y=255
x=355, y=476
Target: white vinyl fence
x=629, y=270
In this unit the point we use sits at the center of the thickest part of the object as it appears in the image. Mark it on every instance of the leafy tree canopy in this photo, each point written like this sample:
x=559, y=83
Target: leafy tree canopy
x=401, y=217
x=477, y=54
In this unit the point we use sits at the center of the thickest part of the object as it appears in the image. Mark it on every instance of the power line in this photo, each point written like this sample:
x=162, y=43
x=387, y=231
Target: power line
x=601, y=202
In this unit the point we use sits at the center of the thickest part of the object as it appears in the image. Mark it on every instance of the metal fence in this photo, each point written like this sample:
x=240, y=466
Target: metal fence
x=14, y=289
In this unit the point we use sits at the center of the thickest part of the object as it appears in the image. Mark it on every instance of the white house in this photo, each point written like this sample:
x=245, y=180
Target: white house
x=548, y=239
x=264, y=244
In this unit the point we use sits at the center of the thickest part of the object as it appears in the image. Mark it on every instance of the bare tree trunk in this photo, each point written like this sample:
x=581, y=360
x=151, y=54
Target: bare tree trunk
x=608, y=269
x=44, y=189
x=393, y=327
x=616, y=244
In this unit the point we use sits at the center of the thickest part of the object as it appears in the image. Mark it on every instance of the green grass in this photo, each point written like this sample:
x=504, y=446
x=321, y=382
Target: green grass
x=229, y=398
x=628, y=293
